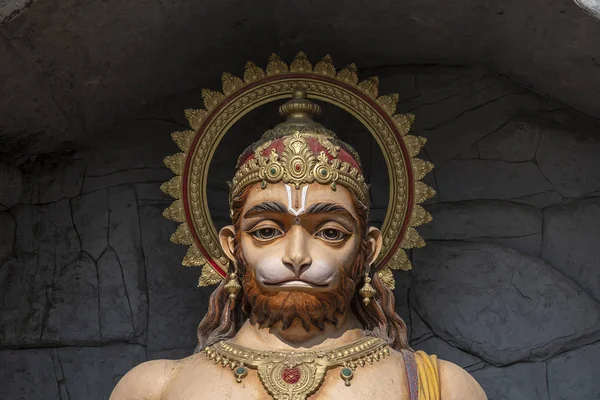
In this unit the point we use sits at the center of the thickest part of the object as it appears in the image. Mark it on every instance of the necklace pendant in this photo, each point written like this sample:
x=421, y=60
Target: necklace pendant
x=240, y=373
x=297, y=382
x=291, y=376
x=346, y=374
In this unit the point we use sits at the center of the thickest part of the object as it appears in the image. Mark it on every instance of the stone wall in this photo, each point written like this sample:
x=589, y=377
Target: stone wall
x=508, y=286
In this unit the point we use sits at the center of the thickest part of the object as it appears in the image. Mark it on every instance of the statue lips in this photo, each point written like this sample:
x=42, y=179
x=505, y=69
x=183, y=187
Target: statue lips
x=296, y=283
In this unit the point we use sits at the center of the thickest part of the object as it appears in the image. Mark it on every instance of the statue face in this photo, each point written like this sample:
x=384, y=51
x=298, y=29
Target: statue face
x=299, y=239
x=301, y=250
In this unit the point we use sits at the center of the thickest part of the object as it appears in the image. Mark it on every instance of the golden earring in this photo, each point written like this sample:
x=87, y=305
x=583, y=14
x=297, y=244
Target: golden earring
x=367, y=291
x=233, y=287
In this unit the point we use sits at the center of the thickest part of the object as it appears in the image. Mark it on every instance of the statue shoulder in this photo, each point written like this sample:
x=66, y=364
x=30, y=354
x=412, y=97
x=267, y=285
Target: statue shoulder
x=146, y=381
x=429, y=378
x=458, y=384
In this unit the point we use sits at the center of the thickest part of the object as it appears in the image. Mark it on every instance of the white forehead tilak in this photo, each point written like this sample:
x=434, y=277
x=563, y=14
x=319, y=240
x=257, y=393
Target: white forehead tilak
x=291, y=208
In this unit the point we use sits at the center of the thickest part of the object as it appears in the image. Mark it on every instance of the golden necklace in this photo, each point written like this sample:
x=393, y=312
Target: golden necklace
x=291, y=375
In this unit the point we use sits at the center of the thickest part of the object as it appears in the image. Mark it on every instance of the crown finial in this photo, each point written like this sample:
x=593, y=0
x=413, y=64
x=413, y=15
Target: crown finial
x=299, y=110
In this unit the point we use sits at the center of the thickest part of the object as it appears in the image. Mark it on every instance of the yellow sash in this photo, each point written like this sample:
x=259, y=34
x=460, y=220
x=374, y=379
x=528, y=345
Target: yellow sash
x=429, y=376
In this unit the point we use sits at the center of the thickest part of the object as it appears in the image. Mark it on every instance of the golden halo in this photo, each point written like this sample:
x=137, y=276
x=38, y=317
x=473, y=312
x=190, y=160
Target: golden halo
x=279, y=81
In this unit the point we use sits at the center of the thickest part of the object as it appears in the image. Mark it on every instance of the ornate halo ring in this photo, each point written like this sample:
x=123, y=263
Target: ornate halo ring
x=259, y=87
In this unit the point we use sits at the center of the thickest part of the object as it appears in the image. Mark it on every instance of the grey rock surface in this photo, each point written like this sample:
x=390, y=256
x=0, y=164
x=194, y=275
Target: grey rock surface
x=402, y=305
x=9, y=9
x=45, y=243
x=471, y=153
x=481, y=219
x=7, y=235
x=457, y=123
x=92, y=373
x=574, y=375
x=42, y=124
x=150, y=193
x=176, y=304
x=28, y=374
x=571, y=244
x=69, y=96
x=72, y=307
x=67, y=372
x=516, y=382
x=131, y=152
x=52, y=292
x=487, y=179
x=50, y=179
x=48, y=232
x=541, y=200
x=98, y=182
x=134, y=145
x=11, y=185
x=529, y=245
x=509, y=300
x=116, y=311
x=90, y=215
x=590, y=6
x=124, y=238
x=419, y=331
x=569, y=158
x=490, y=221
x=516, y=141
x=55, y=305
x=22, y=307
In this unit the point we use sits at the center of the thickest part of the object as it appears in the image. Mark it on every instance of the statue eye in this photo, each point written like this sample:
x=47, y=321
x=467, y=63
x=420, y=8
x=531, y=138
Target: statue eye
x=267, y=233
x=331, y=234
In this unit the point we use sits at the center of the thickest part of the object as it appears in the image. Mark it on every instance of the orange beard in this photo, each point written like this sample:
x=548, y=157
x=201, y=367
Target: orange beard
x=311, y=309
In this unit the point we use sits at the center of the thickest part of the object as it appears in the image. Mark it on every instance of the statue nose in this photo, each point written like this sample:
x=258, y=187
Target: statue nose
x=297, y=257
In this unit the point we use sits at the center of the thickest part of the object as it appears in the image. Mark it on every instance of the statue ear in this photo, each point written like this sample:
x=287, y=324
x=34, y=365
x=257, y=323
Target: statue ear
x=226, y=236
x=375, y=242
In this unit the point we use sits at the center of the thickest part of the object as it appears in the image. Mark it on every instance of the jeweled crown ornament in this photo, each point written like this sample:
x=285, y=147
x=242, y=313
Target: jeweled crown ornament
x=297, y=152
x=300, y=151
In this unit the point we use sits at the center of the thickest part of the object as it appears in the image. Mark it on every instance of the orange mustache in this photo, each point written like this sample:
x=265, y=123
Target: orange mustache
x=311, y=309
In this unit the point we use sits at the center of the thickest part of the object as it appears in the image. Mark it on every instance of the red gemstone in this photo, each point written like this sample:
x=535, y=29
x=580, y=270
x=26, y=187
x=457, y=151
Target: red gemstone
x=297, y=166
x=291, y=375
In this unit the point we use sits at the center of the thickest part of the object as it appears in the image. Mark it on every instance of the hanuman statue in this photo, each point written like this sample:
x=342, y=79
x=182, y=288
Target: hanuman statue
x=304, y=306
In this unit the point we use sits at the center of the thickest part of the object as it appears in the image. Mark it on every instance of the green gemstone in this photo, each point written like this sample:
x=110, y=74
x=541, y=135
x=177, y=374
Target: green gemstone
x=323, y=172
x=240, y=370
x=347, y=372
x=273, y=171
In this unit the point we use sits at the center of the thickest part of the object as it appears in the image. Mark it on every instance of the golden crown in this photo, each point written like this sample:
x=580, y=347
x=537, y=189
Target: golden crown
x=301, y=162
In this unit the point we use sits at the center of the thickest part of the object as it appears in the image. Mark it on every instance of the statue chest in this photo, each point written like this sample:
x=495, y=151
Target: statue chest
x=385, y=380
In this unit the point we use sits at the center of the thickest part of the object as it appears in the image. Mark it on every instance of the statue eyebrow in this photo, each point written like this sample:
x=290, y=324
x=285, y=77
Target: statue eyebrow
x=320, y=208
x=266, y=206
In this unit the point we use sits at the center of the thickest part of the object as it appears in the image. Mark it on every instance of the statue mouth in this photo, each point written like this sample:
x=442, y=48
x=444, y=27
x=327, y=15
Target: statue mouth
x=296, y=283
